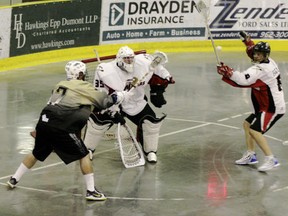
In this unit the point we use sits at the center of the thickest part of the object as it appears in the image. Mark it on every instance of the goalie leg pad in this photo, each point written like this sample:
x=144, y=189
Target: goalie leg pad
x=94, y=132
x=150, y=129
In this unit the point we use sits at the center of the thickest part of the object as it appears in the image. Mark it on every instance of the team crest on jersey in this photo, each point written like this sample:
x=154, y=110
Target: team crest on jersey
x=100, y=68
x=132, y=83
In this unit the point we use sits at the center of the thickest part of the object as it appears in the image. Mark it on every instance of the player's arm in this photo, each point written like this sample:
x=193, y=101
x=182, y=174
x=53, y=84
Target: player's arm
x=245, y=79
x=98, y=81
x=246, y=39
x=158, y=83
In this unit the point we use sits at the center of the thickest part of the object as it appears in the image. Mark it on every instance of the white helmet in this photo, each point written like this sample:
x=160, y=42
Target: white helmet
x=125, y=59
x=159, y=57
x=73, y=68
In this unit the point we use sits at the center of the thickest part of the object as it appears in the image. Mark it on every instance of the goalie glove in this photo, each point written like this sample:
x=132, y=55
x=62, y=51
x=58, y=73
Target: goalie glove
x=224, y=70
x=120, y=96
x=157, y=80
x=244, y=36
x=170, y=80
x=156, y=95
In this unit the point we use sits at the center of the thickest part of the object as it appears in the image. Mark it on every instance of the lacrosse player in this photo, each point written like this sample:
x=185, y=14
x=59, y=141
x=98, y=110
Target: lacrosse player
x=60, y=124
x=134, y=73
x=267, y=96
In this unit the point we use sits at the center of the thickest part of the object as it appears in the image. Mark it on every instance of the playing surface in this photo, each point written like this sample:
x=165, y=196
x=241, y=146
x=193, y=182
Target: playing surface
x=199, y=142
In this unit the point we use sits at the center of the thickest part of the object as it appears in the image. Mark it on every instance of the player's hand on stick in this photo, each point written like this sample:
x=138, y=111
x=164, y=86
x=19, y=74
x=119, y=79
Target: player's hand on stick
x=117, y=118
x=244, y=36
x=171, y=80
x=224, y=70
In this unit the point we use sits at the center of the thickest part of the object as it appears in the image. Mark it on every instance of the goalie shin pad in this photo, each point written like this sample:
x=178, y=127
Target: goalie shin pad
x=151, y=129
x=95, y=131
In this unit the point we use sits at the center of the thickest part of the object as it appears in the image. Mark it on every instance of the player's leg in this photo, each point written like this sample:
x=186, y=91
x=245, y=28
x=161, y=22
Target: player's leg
x=41, y=151
x=249, y=156
x=264, y=121
x=97, y=125
x=250, y=143
x=70, y=147
x=87, y=170
x=148, y=128
x=28, y=162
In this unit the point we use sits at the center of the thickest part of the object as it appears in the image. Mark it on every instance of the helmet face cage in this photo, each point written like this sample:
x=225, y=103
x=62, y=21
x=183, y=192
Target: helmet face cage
x=74, y=68
x=262, y=47
x=125, y=59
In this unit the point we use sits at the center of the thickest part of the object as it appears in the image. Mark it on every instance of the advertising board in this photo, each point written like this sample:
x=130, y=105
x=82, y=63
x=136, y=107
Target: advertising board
x=5, y=27
x=150, y=20
x=59, y=25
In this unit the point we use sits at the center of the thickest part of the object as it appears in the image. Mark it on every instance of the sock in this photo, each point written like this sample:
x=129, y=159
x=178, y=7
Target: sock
x=270, y=156
x=89, y=180
x=250, y=151
x=22, y=169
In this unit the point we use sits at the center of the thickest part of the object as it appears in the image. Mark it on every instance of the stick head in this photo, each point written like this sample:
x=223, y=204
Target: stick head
x=203, y=9
x=201, y=6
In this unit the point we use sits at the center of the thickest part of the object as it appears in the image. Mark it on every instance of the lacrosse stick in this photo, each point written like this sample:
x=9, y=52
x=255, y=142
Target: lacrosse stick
x=108, y=57
x=204, y=10
x=97, y=55
x=131, y=151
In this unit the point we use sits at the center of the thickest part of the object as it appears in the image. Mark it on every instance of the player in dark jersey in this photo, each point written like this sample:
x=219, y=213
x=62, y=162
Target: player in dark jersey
x=60, y=124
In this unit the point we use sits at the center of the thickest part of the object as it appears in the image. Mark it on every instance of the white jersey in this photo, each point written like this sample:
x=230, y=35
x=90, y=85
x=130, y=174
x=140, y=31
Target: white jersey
x=267, y=93
x=109, y=77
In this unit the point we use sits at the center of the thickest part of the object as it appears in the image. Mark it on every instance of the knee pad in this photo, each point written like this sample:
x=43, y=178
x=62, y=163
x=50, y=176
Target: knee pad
x=150, y=131
x=94, y=131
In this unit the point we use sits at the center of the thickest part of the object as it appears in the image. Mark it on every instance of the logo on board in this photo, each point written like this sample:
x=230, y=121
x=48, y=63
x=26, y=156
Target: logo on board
x=116, y=14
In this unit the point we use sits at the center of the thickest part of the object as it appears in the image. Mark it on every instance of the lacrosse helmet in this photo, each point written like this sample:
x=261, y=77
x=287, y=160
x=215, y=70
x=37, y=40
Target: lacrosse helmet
x=159, y=57
x=262, y=47
x=125, y=59
x=74, y=68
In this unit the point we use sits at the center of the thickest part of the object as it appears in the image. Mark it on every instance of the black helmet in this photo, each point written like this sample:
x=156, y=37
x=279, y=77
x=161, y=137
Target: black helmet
x=262, y=47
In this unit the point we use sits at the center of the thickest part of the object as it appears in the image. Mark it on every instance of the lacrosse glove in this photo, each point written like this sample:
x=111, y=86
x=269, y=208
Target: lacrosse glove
x=156, y=95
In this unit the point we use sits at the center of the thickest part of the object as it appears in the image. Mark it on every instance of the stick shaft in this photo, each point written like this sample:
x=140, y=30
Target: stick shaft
x=213, y=44
x=109, y=57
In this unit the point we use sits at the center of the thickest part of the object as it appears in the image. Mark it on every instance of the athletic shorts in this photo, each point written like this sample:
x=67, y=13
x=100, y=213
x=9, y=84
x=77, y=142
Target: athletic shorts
x=263, y=121
x=68, y=146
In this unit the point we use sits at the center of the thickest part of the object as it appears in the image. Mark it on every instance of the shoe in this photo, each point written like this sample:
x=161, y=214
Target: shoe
x=247, y=158
x=268, y=164
x=152, y=157
x=95, y=195
x=91, y=154
x=12, y=183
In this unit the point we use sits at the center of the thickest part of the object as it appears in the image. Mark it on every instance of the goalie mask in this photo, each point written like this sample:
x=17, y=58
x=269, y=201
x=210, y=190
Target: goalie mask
x=74, y=68
x=159, y=58
x=125, y=59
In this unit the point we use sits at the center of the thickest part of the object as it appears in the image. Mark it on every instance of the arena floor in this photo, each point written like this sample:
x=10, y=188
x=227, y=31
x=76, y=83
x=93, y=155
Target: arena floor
x=199, y=142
